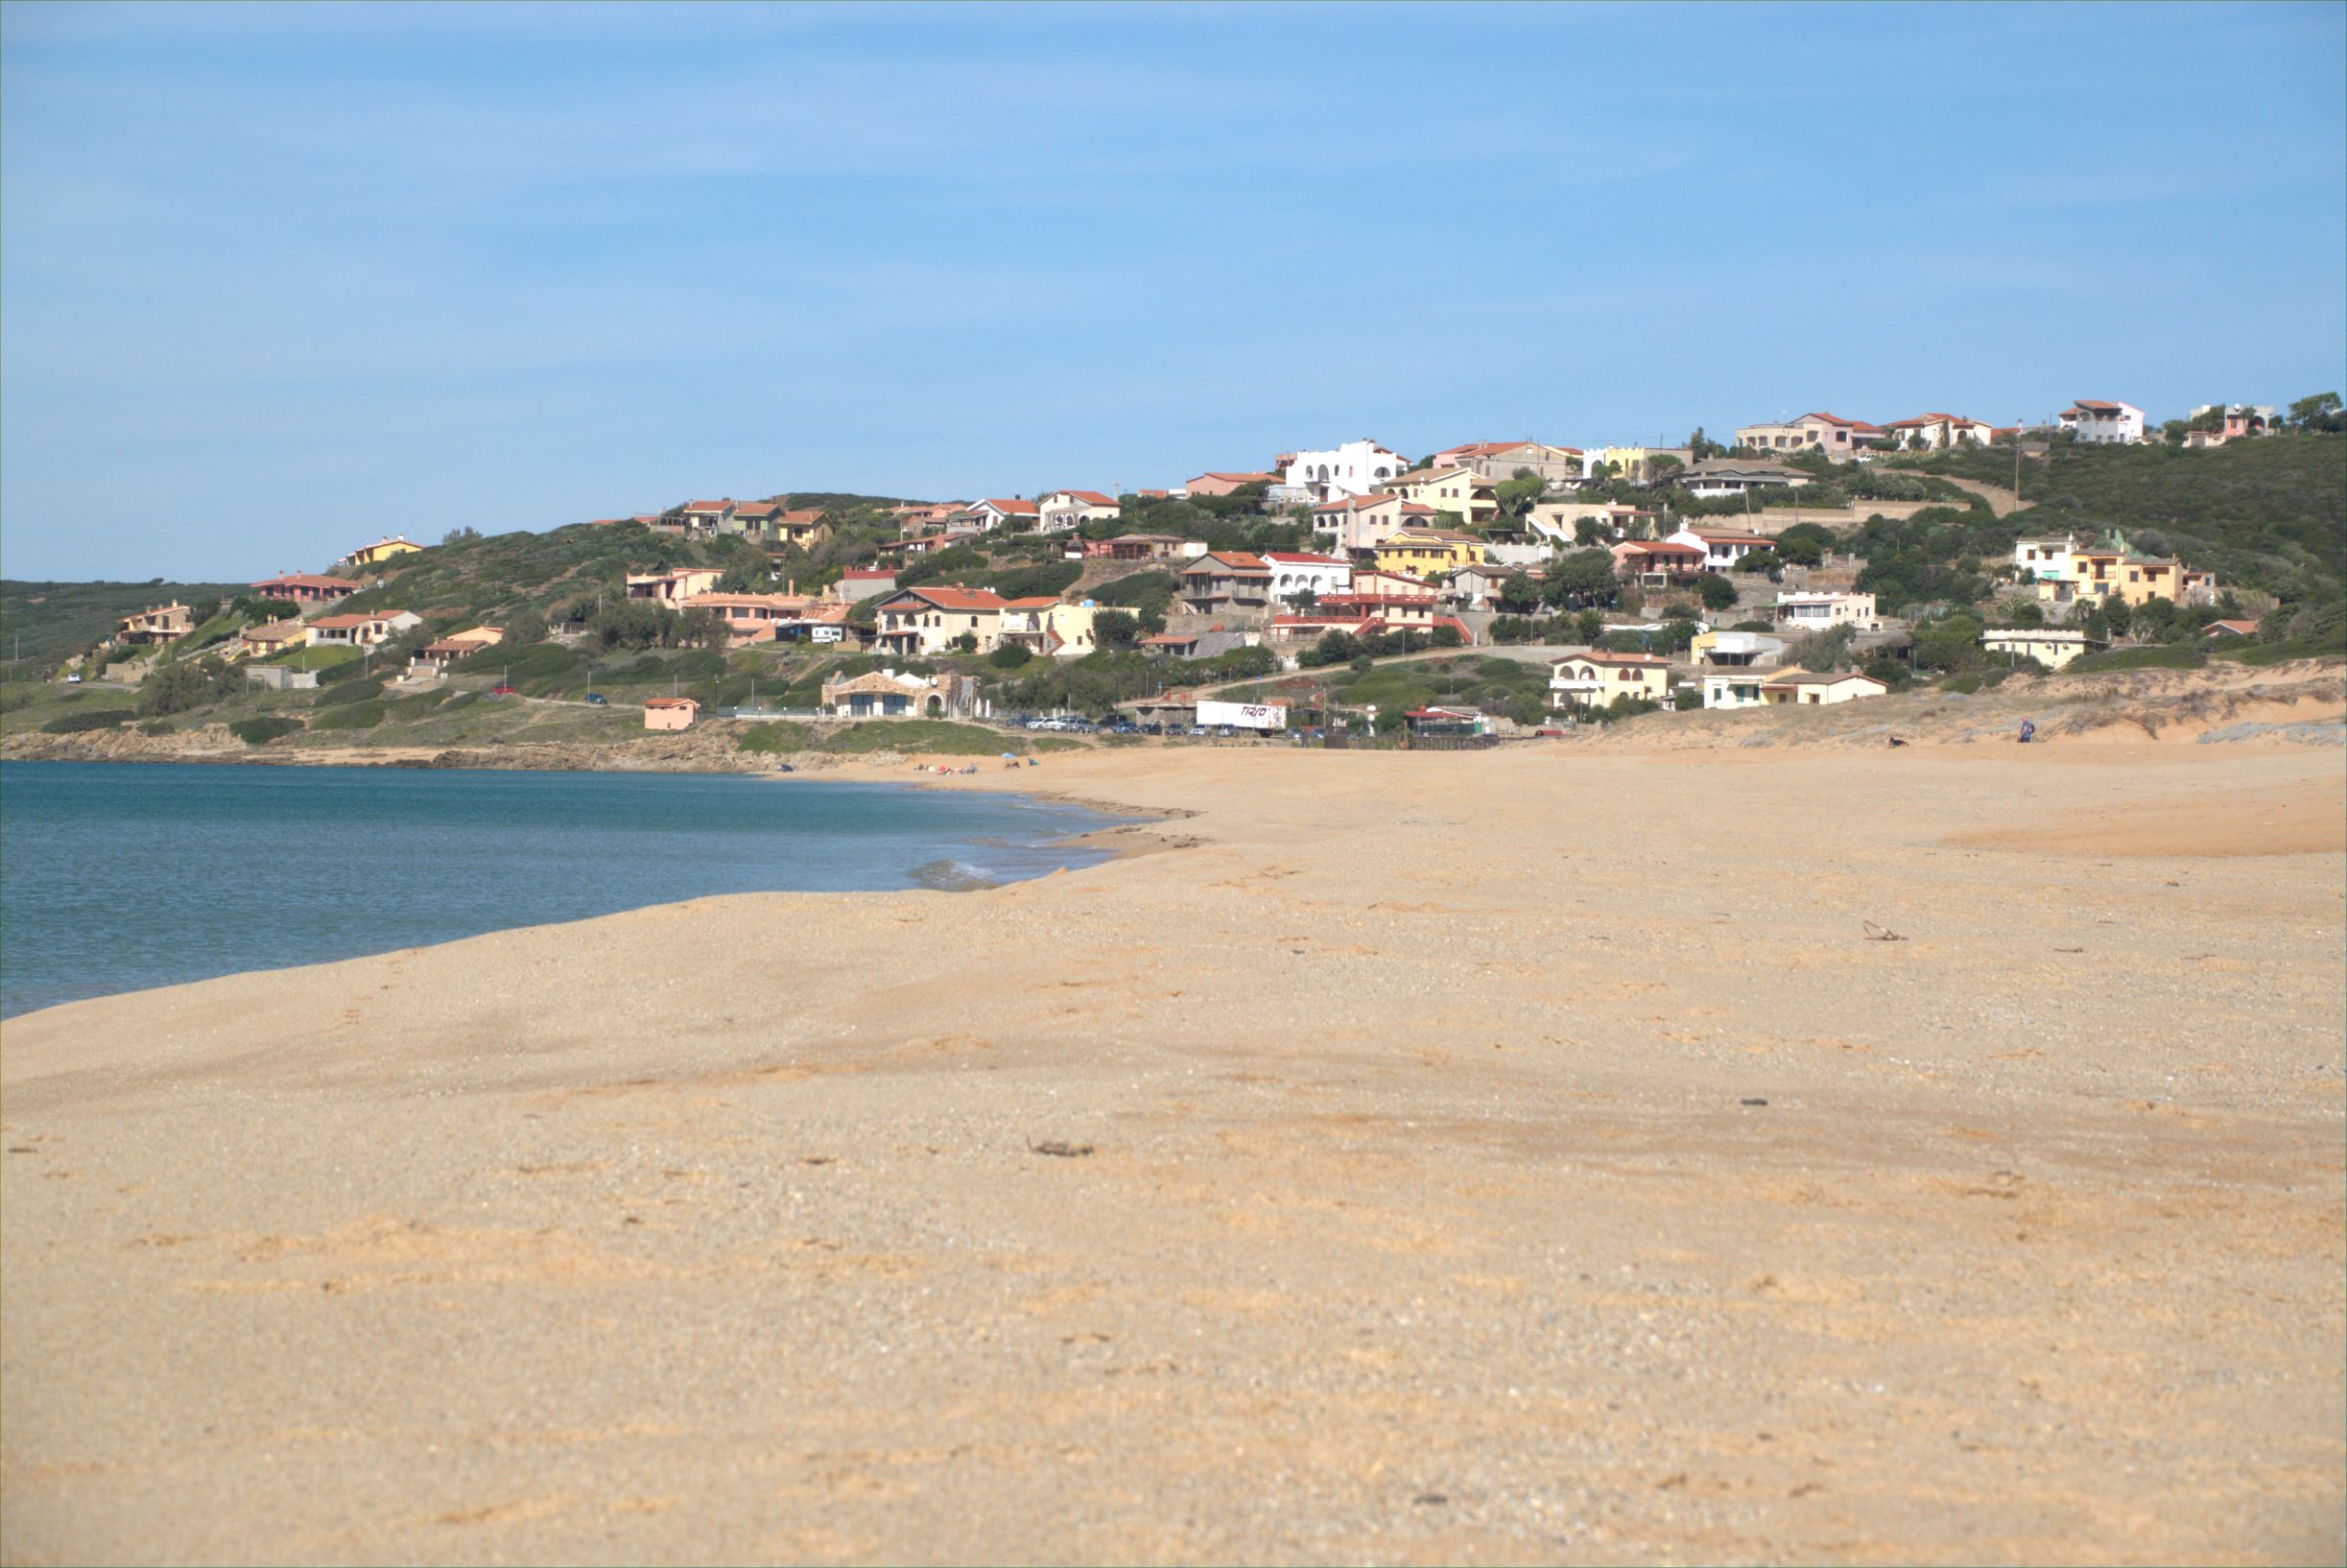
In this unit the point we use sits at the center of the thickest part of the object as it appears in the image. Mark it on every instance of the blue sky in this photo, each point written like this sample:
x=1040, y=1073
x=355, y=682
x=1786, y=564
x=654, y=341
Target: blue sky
x=276, y=280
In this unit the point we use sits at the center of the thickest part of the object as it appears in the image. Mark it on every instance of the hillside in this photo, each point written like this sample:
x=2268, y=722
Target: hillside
x=55, y=620
x=2270, y=514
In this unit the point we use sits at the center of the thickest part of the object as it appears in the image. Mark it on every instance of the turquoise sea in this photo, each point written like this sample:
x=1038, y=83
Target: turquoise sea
x=117, y=877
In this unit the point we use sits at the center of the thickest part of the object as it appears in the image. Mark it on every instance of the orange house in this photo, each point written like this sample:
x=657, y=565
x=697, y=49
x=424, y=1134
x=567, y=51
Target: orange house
x=670, y=712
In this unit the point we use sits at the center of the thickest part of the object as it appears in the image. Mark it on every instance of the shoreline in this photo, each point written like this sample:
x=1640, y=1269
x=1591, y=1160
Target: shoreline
x=1606, y=1183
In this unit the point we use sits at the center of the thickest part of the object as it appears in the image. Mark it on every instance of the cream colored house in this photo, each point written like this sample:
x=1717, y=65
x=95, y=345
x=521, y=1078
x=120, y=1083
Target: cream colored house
x=1361, y=522
x=1063, y=512
x=915, y=621
x=1799, y=688
x=1597, y=679
x=1824, y=611
x=2051, y=646
x=1049, y=628
x=1462, y=492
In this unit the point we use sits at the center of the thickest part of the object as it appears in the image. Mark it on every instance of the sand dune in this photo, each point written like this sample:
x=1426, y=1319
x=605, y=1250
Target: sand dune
x=1524, y=1156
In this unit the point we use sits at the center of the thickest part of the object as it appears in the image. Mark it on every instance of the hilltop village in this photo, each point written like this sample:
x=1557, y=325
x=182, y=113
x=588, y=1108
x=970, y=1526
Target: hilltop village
x=1342, y=595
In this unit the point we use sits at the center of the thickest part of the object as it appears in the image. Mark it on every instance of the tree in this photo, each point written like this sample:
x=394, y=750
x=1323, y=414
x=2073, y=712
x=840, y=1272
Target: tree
x=1804, y=544
x=525, y=627
x=1526, y=708
x=1518, y=495
x=1518, y=588
x=174, y=689
x=1662, y=464
x=966, y=643
x=2318, y=414
x=461, y=535
x=1116, y=629
x=704, y=628
x=1587, y=624
x=1761, y=561
x=1701, y=448
x=2118, y=614
x=1716, y=592
x=1582, y=575
x=1010, y=656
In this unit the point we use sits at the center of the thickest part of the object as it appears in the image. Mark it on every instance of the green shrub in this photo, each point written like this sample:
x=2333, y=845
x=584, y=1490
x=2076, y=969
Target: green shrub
x=261, y=731
x=1010, y=656
x=73, y=724
x=939, y=735
x=350, y=691
x=2136, y=658
x=406, y=708
x=350, y=715
x=771, y=739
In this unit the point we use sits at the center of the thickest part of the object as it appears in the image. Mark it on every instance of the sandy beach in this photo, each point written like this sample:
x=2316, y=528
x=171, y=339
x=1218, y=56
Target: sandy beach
x=1522, y=1156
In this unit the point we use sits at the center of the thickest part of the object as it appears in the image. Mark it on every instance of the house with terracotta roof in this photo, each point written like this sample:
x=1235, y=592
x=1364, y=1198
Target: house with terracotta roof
x=803, y=528
x=928, y=619
x=751, y=617
x=1477, y=586
x=368, y=555
x=304, y=590
x=270, y=640
x=1504, y=460
x=700, y=516
x=1065, y=511
x=1223, y=484
x=430, y=661
x=2100, y=422
x=1139, y=547
x=1469, y=497
x=149, y=627
x=1228, y=582
x=1716, y=477
x=670, y=712
x=1837, y=438
x=1297, y=572
x=1657, y=563
x=1801, y=688
x=1935, y=432
x=998, y=512
x=930, y=514
x=1349, y=524
x=1597, y=679
x=362, y=630
x=2217, y=630
x=864, y=583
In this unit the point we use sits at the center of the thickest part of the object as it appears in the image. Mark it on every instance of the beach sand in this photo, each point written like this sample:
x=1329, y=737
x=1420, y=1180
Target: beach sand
x=1508, y=1157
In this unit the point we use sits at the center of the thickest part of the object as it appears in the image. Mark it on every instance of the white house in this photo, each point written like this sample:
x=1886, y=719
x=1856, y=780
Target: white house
x=1734, y=688
x=1716, y=477
x=1557, y=523
x=1932, y=430
x=1296, y=571
x=1346, y=523
x=994, y=513
x=2044, y=558
x=1824, y=611
x=1354, y=469
x=2091, y=420
x=1065, y=511
x=1722, y=547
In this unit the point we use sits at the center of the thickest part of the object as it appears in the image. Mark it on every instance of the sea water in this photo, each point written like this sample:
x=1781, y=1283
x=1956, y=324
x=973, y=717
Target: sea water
x=117, y=877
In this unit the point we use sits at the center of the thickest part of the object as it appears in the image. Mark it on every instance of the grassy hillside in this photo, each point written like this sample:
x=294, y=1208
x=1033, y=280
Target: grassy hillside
x=57, y=619
x=2268, y=513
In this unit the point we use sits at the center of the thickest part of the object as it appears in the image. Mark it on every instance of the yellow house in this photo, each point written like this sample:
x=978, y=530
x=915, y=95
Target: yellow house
x=2110, y=570
x=1462, y=492
x=1427, y=553
x=383, y=550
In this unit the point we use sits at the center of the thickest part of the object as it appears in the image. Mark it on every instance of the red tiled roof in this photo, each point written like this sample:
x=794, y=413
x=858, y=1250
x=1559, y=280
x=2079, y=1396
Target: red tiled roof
x=2095, y=405
x=1093, y=498
x=671, y=702
x=1238, y=561
x=705, y=506
x=1837, y=420
x=861, y=574
x=1014, y=508
x=1301, y=557
x=305, y=579
x=978, y=599
x=1356, y=503
x=341, y=622
x=1644, y=661
x=1243, y=479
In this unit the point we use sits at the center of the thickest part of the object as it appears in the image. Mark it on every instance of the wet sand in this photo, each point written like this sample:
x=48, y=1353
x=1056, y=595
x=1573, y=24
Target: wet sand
x=1522, y=1156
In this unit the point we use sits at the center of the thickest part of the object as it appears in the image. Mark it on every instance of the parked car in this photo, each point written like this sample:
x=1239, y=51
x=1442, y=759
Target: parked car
x=1152, y=728
x=596, y=700
x=1224, y=731
x=502, y=691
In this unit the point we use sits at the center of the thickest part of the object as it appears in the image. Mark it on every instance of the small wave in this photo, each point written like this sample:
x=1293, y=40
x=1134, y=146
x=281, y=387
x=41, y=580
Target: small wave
x=951, y=876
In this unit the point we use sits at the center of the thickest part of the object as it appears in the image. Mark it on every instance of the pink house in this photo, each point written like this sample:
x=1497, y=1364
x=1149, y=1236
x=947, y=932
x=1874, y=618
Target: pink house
x=303, y=589
x=670, y=712
x=1219, y=484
